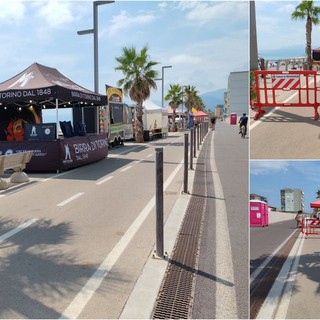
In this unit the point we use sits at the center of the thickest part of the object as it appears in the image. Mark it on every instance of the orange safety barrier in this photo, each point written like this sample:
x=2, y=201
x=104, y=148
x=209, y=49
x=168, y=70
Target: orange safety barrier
x=271, y=89
x=309, y=226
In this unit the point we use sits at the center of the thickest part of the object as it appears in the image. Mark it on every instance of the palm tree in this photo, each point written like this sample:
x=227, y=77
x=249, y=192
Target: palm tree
x=139, y=79
x=191, y=96
x=175, y=95
x=307, y=10
x=199, y=105
x=318, y=194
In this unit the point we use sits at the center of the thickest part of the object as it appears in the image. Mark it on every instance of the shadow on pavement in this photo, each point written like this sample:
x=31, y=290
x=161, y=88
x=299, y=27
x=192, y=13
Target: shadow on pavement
x=38, y=278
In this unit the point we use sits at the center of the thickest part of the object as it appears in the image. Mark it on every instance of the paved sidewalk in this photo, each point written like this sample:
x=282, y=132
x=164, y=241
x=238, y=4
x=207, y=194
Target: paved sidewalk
x=305, y=295
x=296, y=292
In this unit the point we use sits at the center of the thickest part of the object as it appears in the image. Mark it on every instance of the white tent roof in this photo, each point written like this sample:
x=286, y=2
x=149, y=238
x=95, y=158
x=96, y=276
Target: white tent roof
x=152, y=107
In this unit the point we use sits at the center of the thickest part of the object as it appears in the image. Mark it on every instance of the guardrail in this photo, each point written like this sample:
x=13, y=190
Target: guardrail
x=310, y=226
x=16, y=162
x=301, y=84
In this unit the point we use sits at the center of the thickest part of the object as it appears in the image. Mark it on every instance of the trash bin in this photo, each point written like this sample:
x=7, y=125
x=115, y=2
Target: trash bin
x=146, y=135
x=259, y=214
x=233, y=118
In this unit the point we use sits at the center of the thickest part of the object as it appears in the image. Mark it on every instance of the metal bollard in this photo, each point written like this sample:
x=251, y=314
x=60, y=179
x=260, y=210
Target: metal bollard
x=191, y=148
x=159, y=202
x=195, y=142
x=185, y=180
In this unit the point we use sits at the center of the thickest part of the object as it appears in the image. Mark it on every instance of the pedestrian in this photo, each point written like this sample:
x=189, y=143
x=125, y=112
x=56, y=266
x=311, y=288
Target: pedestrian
x=299, y=217
x=243, y=121
x=213, y=122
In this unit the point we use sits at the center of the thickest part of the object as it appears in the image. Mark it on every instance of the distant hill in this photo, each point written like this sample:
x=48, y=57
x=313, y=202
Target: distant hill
x=213, y=98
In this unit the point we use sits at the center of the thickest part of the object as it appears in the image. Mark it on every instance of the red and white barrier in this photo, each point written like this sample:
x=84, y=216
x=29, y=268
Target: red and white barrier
x=309, y=226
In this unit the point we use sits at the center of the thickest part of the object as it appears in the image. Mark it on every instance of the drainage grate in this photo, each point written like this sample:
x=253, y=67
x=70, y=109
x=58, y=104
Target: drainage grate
x=175, y=296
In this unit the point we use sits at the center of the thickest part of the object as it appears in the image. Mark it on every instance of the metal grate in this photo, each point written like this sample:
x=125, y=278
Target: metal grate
x=175, y=296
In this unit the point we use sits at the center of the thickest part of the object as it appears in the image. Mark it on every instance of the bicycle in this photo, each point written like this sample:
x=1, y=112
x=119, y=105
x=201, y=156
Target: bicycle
x=243, y=132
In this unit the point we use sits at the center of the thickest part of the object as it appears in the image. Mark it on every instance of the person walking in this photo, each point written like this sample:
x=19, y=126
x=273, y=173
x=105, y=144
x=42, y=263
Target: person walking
x=299, y=217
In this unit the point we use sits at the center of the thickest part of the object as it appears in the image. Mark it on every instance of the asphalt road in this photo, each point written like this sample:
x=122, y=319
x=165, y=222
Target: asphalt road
x=265, y=241
x=224, y=243
x=89, y=232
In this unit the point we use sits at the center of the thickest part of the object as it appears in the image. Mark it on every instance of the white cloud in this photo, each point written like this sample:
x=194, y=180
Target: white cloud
x=125, y=21
x=12, y=12
x=204, y=12
x=268, y=167
x=163, y=5
x=185, y=59
x=56, y=13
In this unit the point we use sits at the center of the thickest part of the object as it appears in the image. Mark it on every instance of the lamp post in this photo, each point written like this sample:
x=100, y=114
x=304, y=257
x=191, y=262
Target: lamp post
x=95, y=41
x=162, y=83
x=95, y=53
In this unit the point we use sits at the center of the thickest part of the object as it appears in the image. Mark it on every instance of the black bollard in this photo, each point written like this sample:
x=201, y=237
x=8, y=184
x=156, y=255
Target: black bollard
x=185, y=180
x=159, y=202
x=191, y=148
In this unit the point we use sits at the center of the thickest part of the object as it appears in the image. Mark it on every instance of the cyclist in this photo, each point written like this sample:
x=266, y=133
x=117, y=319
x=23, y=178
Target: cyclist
x=243, y=121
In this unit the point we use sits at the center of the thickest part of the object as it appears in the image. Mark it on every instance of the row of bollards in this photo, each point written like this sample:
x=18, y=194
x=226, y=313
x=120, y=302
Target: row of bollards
x=197, y=135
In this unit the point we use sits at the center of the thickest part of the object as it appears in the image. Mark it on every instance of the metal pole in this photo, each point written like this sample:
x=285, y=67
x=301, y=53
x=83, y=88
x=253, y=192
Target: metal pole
x=162, y=88
x=253, y=37
x=185, y=180
x=95, y=48
x=198, y=133
x=159, y=202
x=162, y=83
x=191, y=148
x=194, y=141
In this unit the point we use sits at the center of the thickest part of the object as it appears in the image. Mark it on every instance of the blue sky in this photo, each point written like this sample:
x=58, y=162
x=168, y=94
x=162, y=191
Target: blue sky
x=278, y=36
x=203, y=40
x=267, y=178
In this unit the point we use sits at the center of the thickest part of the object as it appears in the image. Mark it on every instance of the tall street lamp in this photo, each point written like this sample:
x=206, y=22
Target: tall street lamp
x=95, y=41
x=162, y=83
x=95, y=53
x=253, y=37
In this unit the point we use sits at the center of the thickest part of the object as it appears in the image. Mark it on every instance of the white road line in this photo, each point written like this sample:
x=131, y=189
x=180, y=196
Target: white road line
x=61, y=204
x=266, y=261
x=104, y=180
x=252, y=126
x=287, y=292
x=149, y=155
x=226, y=300
x=125, y=151
x=125, y=168
x=17, y=229
x=88, y=290
x=274, y=298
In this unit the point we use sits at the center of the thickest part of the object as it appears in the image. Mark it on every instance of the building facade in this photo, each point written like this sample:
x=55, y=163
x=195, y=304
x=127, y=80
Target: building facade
x=237, y=97
x=292, y=200
x=254, y=196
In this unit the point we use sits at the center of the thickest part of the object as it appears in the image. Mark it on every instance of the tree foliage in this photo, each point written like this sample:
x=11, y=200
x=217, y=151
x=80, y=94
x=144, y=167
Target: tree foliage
x=139, y=80
x=306, y=10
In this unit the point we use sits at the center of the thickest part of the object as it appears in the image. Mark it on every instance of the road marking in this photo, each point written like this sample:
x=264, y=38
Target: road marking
x=83, y=297
x=124, y=151
x=125, y=169
x=266, y=261
x=149, y=155
x=104, y=180
x=287, y=292
x=63, y=203
x=17, y=229
x=274, y=298
x=252, y=126
x=226, y=299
